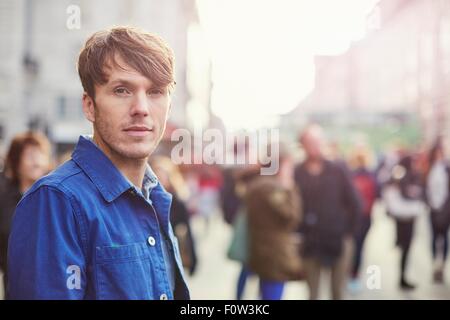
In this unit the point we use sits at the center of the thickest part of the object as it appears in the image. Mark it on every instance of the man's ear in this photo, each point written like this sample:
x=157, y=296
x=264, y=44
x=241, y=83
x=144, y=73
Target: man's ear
x=88, y=107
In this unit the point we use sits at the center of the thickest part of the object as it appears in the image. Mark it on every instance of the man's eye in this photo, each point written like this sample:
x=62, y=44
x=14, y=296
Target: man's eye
x=155, y=92
x=121, y=91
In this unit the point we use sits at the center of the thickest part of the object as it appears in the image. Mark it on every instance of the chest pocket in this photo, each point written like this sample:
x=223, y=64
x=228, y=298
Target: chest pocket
x=124, y=272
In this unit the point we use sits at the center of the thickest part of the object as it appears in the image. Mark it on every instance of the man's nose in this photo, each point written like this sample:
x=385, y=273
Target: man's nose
x=141, y=104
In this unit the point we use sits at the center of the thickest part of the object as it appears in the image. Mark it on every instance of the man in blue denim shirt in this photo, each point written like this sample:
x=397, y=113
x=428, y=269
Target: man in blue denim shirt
x=98, y=226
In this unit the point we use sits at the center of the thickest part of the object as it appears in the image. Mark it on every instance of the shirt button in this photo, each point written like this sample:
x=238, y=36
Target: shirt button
x=163, y=297
x=151, y=241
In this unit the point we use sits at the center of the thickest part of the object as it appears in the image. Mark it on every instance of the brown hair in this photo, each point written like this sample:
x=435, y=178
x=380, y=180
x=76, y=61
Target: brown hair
x=142, y=51
x=16, y=148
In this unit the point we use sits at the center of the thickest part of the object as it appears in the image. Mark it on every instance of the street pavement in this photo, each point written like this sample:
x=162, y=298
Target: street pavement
x=216, y=276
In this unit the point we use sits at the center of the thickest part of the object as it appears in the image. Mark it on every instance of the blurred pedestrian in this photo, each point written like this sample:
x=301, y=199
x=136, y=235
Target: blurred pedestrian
x=438, y=200
x=331, y=212
x=27, y=160
x=208, y=197
x=171, y=179
x=238, y=249
x=230, y=201
x=404, y=199
x=365, y=184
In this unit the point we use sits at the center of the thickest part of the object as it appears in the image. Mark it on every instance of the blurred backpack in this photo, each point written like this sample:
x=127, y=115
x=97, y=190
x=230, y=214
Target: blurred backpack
x=238, y=248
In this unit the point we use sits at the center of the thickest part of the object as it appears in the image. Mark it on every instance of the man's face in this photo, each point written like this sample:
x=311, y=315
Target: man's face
x=313, y=144
x=129, y=114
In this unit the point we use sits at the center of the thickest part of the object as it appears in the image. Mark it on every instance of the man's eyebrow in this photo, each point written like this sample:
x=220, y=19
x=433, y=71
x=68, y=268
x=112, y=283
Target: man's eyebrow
x=121, y=81
x=129, y=83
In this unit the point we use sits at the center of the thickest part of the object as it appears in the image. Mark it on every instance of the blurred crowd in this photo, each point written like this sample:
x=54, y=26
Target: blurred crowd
x=312, y=216
x=315, y=215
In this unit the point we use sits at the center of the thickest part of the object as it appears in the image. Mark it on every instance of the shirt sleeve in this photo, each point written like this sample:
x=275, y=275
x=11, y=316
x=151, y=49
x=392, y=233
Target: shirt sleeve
x=45, y=255
x=400, y=207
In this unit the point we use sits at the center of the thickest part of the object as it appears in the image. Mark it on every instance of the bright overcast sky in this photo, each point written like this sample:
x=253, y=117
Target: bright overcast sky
x=262, y=51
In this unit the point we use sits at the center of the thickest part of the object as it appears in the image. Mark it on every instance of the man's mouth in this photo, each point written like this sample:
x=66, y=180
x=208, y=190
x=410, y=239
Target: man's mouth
x=138, y=131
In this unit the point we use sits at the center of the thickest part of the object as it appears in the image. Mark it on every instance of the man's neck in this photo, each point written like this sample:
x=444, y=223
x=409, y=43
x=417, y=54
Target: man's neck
x=132, y=169
x=314, y=165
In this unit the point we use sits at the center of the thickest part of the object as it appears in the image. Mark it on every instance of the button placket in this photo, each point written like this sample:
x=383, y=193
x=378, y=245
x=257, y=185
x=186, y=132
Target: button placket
x=160, y=250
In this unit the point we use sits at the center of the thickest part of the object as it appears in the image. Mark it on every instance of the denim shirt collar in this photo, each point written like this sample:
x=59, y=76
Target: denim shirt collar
x=110, y=182
x=149, y=183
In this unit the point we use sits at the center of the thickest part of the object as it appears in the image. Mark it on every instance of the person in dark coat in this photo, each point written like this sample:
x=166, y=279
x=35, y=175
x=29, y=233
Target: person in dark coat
x=28, y=159
x=404, y=198
x=238, y=249
x=170, y=177
x=331, y=210
x=10, y=195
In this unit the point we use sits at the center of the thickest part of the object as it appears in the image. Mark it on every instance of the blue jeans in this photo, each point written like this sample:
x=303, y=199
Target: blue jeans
x=271, y=290
x=245, y=273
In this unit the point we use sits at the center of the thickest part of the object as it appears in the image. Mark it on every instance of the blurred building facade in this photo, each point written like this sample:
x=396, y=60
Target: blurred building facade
x=39, y=83
x=401, y=67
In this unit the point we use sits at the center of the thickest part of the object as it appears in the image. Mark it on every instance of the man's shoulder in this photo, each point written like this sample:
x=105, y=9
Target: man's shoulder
x=59, y=190
x=68, y=179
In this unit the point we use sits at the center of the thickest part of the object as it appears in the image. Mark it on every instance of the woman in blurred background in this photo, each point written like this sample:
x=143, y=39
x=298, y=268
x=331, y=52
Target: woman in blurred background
x=365, y=184
x=27, y=160
x=438, y=199
x=274, y=215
